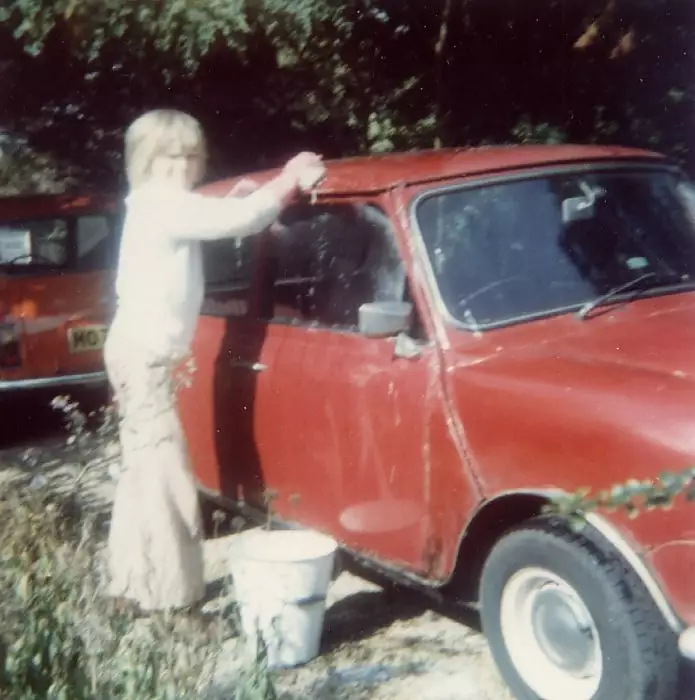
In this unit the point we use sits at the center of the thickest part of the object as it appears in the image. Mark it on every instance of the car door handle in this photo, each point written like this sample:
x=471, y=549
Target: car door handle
x=251, y=366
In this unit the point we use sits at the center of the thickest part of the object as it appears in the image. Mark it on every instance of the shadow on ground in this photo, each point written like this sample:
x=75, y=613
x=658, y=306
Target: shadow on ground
x=364, y=614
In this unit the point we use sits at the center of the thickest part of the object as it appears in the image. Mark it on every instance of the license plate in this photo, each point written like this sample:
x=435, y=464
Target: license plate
x=86, y=338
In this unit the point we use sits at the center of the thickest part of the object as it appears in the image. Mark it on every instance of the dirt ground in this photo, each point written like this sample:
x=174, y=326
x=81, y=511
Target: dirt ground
x=383, y=645
x=376, y=644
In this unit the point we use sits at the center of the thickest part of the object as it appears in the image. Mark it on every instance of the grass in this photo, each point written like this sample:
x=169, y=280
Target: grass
x=62, y=638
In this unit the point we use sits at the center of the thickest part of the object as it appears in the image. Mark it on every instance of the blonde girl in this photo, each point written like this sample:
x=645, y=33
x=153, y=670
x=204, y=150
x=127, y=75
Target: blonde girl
x=155, y=540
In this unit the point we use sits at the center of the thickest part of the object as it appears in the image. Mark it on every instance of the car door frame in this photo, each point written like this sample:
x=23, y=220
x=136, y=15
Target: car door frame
x=456, y=472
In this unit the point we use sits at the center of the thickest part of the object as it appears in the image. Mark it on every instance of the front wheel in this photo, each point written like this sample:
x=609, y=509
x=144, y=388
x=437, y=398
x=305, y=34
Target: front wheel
x=567, y=619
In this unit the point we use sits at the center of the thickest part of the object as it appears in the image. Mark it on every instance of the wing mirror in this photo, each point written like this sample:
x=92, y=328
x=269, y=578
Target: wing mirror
x=581, y=208
x=385, y=319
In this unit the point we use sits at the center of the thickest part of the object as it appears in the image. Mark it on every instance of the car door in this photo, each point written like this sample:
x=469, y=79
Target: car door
x=350, y=414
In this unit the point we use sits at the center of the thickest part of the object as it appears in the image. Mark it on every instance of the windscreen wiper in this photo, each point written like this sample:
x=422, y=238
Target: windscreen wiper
x=626, y=287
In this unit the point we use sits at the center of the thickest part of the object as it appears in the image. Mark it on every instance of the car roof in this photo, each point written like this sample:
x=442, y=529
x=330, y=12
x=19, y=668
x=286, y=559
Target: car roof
x=377, y=173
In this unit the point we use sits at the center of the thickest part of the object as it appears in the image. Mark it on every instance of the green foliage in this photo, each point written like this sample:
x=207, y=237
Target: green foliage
x=347, y=76
x=62, y=637
x=526, y=132
x=43, y=647
x=187, y=28
x=255, y=682
x=335, y=63
x=633, y=496
x=23, y=171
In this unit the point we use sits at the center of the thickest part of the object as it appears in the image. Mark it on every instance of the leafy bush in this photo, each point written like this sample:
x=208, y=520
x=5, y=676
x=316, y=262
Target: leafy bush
x=528, y=132
x=61, y=637
x=633, y=496
x=41, y=646
x=24, y=171
x=86, y=440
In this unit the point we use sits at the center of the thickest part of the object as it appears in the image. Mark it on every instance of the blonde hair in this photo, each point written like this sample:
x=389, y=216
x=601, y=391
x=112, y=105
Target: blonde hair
x=162, y=133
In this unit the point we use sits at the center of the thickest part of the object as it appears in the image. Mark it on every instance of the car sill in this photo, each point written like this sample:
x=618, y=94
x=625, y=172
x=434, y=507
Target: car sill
x=50, y=382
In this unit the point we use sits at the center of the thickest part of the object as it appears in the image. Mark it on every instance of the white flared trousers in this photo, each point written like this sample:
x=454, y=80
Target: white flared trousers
x=155, y=554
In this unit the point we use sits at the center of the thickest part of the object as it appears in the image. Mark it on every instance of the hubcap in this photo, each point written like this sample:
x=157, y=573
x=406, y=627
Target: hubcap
x=550, y=636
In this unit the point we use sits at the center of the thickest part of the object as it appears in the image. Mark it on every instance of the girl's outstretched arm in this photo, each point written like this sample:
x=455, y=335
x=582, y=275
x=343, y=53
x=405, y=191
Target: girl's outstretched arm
x=200, y=217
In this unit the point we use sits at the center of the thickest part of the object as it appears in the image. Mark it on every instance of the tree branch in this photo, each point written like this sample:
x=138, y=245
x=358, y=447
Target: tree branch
x=440, y=62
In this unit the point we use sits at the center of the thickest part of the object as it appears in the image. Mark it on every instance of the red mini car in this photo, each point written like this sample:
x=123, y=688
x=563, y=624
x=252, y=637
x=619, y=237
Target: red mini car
x=420, y=356
x=57, y=263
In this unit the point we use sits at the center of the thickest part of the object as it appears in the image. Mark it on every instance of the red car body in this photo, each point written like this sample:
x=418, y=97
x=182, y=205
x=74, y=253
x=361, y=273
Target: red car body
x=419, y=461
x=58, y=255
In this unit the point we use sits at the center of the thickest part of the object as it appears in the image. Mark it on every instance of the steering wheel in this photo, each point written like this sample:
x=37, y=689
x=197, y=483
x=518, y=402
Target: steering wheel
x=490, y=287
x=32, y=257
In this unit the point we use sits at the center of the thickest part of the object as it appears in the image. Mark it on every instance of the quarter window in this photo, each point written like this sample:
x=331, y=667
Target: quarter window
x=97, y=244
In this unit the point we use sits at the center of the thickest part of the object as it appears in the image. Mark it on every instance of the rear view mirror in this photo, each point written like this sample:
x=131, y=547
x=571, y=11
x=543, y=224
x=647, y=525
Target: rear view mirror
x=385, y=319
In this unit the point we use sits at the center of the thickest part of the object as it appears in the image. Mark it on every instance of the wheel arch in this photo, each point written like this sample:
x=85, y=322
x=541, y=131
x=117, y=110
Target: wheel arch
x=510, y=509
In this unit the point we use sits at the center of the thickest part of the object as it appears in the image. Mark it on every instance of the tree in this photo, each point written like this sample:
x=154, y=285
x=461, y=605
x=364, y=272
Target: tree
x=347, y=76
x=184, y=28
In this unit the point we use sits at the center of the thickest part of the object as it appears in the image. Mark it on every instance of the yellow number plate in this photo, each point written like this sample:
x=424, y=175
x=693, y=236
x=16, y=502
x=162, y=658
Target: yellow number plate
x=86, y=338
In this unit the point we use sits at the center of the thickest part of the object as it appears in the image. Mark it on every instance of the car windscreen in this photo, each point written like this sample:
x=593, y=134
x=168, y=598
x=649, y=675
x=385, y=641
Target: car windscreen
x=520, y=249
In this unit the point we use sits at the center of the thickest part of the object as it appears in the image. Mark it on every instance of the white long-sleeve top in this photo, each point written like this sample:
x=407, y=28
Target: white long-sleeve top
x=159, y=282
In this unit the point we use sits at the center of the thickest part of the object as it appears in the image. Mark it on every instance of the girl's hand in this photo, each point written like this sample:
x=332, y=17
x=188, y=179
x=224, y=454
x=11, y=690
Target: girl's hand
x=243, y=188
x=306, y=169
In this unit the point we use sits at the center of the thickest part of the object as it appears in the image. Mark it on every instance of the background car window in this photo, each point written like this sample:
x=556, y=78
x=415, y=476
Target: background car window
x=510, y=251
x=326, y=261
x=97, y=242
x=229, y=266
x=34, y=243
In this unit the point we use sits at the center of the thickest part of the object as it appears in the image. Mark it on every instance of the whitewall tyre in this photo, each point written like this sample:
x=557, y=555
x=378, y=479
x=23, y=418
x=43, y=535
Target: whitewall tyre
x=567, y=619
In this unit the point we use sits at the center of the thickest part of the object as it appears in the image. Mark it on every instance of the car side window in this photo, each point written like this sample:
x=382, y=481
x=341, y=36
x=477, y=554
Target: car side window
x=325, y=261
x=229, y=267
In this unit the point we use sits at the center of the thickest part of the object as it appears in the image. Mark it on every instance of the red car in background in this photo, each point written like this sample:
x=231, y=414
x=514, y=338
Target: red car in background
x=57, y=264
x=427, y=351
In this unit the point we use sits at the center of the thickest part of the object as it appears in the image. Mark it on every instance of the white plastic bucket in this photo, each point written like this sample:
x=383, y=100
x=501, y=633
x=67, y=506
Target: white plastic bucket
x=281, y=578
